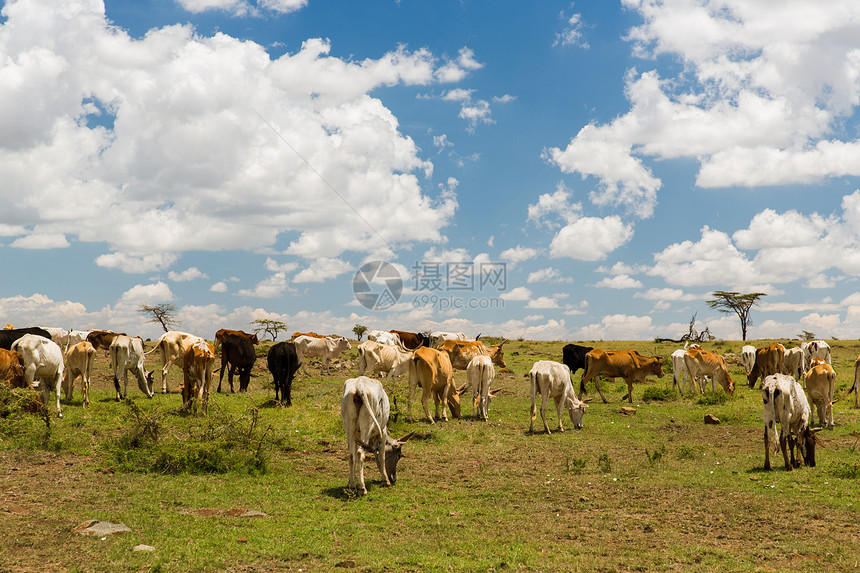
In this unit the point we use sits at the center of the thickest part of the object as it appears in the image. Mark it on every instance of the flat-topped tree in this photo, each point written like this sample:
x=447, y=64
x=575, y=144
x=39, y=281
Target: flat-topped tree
x=740, y=304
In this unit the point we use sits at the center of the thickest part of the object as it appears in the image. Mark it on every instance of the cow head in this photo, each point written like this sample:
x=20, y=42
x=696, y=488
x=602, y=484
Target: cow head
x=454, y=402
x=145, y=384
x=576, y=409
x=656, y=367
x=497, y=355
x=393, y=453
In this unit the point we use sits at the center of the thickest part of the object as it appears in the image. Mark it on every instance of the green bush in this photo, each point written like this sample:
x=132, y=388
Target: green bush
x=659, y=393
x=712, y=399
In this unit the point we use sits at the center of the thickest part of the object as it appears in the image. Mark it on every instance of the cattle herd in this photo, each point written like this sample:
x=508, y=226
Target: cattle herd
x=49, y=359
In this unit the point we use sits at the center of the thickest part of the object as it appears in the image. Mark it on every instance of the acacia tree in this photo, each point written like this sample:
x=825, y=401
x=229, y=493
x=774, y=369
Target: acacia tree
x=358, y=330
x=163, y=314
x=735, y=302
x=270, y=327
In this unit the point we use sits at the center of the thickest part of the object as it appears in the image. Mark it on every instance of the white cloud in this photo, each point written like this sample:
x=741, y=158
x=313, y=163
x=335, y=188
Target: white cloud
x=220, y=286
x=516, y=294
x=591, y=238
x=557, y=203
x=206, y=140
x=571, y=35
x=150, y=294
x=276, y=267
x=270, y=287
x=547, y=275
x=321, y=270
x=517, y=254
x=619, y=282
x=41, y=241
x=189, y=274
x=618, y=327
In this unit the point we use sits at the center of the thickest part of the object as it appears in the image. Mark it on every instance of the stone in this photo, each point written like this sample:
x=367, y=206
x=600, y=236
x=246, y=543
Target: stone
x=143, y=547
x=100, y=528
x=627, y=410
x=711, y=419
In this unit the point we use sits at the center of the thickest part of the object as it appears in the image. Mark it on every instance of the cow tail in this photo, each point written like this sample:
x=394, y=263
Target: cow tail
x=113, y=362
x=359, y=398
x=584, y=374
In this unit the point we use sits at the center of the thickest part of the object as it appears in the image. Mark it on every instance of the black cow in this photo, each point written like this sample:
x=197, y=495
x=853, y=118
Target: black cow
x=412, y=340
x=283, y=361
x=573, y=356
x=7, y=337
x=237, y=352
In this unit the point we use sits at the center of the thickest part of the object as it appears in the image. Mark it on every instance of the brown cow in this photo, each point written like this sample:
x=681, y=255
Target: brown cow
x=311, y=334
x=821, y=388
x=79, y=362
x=461, y=352
x=768, y=360
x=432, y=369
x=627, y=364
x=101, y=339
x=702, y=363
x=12, y=368
x=222, y=333
x=198, y=362
x=412, y=340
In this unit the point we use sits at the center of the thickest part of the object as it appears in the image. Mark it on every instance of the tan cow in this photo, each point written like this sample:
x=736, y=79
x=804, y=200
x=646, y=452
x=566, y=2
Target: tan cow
x=768, y=360
x=198, y=363
x=821, y=388
x=311, y=334
x=101, y=339
x=462, y=351
x=12, y=368
x=173, y=345
x=374, y=357
x=79, y=362
x=432, y=369
x=627, y=364
x=702, y=363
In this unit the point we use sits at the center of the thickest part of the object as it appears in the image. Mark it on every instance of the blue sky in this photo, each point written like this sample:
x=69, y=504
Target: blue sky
x=242, y=160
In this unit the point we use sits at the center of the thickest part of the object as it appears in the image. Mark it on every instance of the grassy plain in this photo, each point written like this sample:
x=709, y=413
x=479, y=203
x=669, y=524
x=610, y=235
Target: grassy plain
x=654, y=491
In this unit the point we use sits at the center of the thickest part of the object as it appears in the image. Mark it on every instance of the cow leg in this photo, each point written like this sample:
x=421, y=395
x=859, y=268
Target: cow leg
x=69, y=383
x=288, y=390
x=544, y=399
x=783, y=445
x=558, y=413
x=599, y=390
x=164, y=370
x=230, y=377
x=425, y=401
x=118, y=390
x=85, y=382
x=629, y=391
x=360, y=470
x=444, y=400
x=58, y=384
x=534, y=404
x=766, y=449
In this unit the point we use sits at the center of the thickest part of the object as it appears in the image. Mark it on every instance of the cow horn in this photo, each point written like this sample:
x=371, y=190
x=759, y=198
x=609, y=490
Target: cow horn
x=406, y=437
x=463, y=388
x=479, y=335
x=366, y=447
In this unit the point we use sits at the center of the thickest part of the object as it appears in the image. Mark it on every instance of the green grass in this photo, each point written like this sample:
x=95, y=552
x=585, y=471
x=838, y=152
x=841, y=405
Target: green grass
x=654, y=491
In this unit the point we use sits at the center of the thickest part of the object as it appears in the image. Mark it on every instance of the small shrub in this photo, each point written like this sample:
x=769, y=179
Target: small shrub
x=659, y=394
x=712, y=399
x=575, y=465
x=604, y=464
x=845, y=470
x=656, y=455
x=687, y=453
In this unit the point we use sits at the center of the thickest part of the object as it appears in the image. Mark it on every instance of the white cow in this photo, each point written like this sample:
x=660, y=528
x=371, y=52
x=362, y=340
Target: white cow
x=383, y=337
x=748, y=357
x=375, y=357
x=126, y=353
x=58, y=335
x=76, y=336
x=856, y=387
x=173, y=345
x=198, y=362
x=821, y=388
x=43, y=365
x=325, y=348
x=79, y=362
x=815, y=349
x=785, y=404
x=792, y=363
x=552, y=379
x=680, y=376
x=480, y=374
x=438, y=337
x=364, y=410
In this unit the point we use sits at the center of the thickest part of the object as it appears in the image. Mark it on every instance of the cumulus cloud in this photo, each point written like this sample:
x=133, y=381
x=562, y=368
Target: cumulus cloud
x=619, y=282
x=322, y=269
x=41, y=241
x=517, y=254
x=517, y=294
x=176, y=141
x=591, y=238
x=146, y=294
x=189, y=274
x=547, y=275
x=269, y=287
x=618, y=327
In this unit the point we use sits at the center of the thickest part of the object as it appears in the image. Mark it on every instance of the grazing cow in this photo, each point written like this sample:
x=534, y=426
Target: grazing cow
x=856, y=387
x=79, y=362
x=325, y=348
x=102, y=339
x=821, y=387
x=126, y=353
x=412, y=340
x=573, y=356
x=785, y=404
x=12, y=368
x=748, y=357
x=173, y=345
x=549, y=378
x=382, y=337
x=432, y=369
x=43, y=365
x=375, y=357
x=480, y=374
x=627, y=364
x=222, y=333
x=311, y=334
x=438, y=337
x=364, y=410
x=198, y=362
x=237, y=353
x=8, y=336
x=815, y=349
x=703, y=363
x=680, y=376
x=283, y=362
x=792, y=362
x=768, y=360
x=461, y=352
